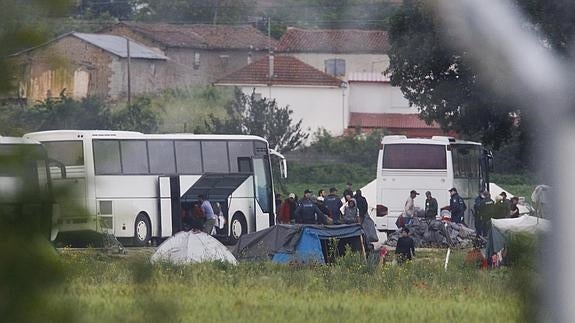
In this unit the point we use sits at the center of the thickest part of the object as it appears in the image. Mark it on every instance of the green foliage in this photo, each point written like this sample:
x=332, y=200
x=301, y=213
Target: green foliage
x=137, y=117
x=197, y=11
x=87, y=114
x=439, y=79
x=330, y=173
x=124, y=9
x=261, y=117
x=184, y=110
x=106, y=289
x=359, y=149
x=64, y=113
x=358, y=14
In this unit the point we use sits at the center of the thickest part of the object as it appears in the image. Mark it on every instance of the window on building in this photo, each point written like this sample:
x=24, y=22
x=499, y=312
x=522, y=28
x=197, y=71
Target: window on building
x=224, y=59
x=335, y=66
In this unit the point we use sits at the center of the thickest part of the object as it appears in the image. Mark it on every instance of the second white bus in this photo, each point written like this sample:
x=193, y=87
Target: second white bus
x=132, y=185
x=434, y=165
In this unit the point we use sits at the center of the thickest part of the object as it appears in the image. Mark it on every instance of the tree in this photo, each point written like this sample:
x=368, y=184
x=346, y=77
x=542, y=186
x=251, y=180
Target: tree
x=196, y=11
x=95, y=8
x=438, y=78
x=248, y=114
x=137, y=117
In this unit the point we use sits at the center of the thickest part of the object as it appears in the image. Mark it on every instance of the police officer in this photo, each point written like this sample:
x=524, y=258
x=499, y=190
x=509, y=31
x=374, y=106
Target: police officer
x=307, y=212
x=456, y=206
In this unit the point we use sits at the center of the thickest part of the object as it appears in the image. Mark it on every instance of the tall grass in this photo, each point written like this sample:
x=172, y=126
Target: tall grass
x=109, y=289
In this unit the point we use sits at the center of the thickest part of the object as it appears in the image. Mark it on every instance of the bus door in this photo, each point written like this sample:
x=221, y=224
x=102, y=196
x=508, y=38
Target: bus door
x=263, y=193
x=68, y=175
x=170, y=217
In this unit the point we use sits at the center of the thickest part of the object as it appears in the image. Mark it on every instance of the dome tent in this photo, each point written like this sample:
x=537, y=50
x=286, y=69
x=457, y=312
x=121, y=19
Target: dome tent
x=192, y=247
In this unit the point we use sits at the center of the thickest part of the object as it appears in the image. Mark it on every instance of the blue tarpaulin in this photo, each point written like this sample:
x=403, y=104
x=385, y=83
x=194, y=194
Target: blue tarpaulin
x=292, y=243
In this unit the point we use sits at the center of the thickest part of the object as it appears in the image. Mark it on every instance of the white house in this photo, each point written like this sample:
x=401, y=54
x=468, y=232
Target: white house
x=338, y=52
x=319, y=99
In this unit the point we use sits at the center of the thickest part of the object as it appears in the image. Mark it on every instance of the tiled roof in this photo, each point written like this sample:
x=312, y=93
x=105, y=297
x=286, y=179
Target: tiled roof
x=334, y=41
x=118, y=46
x=287, y=71
x=202, y=36
x=389, y=120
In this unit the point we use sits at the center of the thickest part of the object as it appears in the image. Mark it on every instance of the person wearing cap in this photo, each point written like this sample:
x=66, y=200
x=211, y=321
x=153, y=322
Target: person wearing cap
x=430, y=206
x=333, y=203
x=456, y=206
x=307, y=212
x=287, y=210
x=348, y=191
x=409, y=208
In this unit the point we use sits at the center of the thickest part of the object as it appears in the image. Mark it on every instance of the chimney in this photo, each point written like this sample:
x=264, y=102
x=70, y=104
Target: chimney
x=271, y=67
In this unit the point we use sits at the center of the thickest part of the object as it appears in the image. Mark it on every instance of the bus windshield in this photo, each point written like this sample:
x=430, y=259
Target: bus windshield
x=414, y=156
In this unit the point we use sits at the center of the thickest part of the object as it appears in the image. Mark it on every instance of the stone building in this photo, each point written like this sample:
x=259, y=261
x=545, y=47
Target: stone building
x=79, y=65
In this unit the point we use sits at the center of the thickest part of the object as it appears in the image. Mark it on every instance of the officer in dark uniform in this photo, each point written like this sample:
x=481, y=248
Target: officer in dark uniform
x=456, y=206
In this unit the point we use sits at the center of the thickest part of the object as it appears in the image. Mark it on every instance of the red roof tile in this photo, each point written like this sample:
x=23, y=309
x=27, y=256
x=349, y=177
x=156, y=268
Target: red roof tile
x=287, y=70
x=334, y=41
x=202, y=36
x=389, y=120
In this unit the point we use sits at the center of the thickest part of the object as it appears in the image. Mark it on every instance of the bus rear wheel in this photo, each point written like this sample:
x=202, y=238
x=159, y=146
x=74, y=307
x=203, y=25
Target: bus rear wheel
x=142, y=230
x=238, y=227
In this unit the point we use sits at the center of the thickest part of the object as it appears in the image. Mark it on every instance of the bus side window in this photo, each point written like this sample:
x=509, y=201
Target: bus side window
x=245, y=165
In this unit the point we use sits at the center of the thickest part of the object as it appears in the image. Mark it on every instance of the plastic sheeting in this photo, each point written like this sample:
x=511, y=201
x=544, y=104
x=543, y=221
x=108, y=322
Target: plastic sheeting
x=435, y=233
x=287, y=240
x=192, y=247
x=502, y=229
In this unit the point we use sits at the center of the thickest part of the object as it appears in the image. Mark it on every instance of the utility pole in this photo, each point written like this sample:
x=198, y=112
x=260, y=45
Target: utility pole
x=129, y=73
x=215, y=20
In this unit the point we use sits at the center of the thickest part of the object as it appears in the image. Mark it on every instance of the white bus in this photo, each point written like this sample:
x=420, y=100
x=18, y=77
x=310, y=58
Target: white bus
x=135, y=185
x=434, y=165
x=25, y=188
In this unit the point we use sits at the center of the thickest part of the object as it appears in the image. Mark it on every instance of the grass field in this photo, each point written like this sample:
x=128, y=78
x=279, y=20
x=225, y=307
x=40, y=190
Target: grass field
x=101, y=288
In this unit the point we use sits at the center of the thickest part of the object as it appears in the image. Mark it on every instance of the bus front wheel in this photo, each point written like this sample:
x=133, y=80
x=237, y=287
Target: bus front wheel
x=142, y=230
x=238, y=227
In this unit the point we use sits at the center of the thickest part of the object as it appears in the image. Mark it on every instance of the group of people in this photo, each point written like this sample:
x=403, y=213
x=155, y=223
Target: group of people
x=322, y=208
x=202, y=216
x=457, y=207
x=484, y=209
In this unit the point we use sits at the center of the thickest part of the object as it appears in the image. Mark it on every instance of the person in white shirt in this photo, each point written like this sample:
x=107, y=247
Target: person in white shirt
x=208, y=213
x=409, y=209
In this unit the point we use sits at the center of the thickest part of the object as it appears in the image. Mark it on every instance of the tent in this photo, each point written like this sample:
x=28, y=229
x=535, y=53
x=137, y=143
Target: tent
x=191, y=247
x=300, y=243
x=502, y=229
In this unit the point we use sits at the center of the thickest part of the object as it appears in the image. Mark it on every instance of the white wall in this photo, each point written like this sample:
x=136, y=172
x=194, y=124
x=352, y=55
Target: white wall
x=368, y=97
x=318, y=107
x=371, y=63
